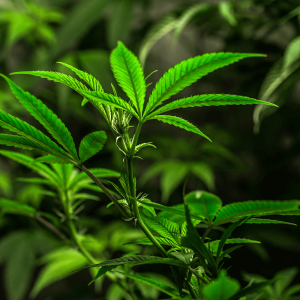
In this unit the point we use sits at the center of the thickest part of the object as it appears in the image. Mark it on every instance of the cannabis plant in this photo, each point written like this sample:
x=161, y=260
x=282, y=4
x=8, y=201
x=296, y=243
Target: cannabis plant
x=195, y=261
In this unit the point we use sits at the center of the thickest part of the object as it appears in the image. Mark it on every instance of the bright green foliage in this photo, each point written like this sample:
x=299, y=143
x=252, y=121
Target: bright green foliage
x=129, y=74
x=14, y=207
x=46, y=117
x=213, y=246
x=153, y=283
x=161, y=240
x=108, y=99
x=205, y=204
x=208, y=100
x=91, y=144
x=181, y=123
x=88, y=78
x=51, y=160
x=251, y=208
x=101, y=272
x=266, y=221
x=188, y=72
x=221, y=289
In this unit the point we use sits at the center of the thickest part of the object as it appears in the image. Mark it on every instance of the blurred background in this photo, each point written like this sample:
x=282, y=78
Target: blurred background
x=255, y=153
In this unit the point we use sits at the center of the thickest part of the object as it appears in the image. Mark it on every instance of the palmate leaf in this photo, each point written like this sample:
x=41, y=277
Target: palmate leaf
x=208, y=100
x=161, y=240
x=204, y=204
x=162, y=226
x=27, y=161
x=46, y=117
x=153, y=283
x=91, y=144
x=41, y=141
x=136, y=260
x=252, y=208
x=88, y=78
x=108, y=99
x=129, y=74
x=25, y=143
x=181, y=123
x=188, y=72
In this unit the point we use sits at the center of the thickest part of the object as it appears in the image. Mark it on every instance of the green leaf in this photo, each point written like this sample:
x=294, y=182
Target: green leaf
x=25, y=143
x=171, y=210
x=159, y=30
x=88, y=78
x=59, y=265
x=285, y=278
x=267, y=221
x=27, y=161
x=292, y=53
x=91, y=144
x=162, y=226
x=101, y=272
x=129, y=75
x=181, y=123
x=50, y=160
x=225, y=9
x=194, y=242
x=187, y=15
x=222, y=288
x=153, y=283
x=136, y=260
x=188, y=72
x=213, y=246
x=38, y=139
x=252, y=289
x=161, y=240
x=17, y=208
x=46, y=117
x=204, y=204
x=226, y=234
x=108, y=99
x=205, y=173
x=253, y=208
x=208, y=100
x=143, y=145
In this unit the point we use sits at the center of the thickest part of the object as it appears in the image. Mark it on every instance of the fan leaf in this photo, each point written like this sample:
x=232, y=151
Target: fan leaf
x=46, y=117
x=181, y=123
x=208, y=100
x=91, y=144
x=187, y=72
x=129, y=74
x=251, y=208
x=108, y=99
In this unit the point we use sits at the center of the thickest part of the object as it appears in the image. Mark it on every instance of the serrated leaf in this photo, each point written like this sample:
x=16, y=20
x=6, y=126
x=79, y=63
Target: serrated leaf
x=266, y=221
x=23, y=142
x=38, y=139
x=181, y=123
x=161, y=240
x=91, y=144
x=46, y=117
x=102, y=272
x=27, y=161
x=171, y=210
x=253, y=208
x=213, y=246
x=50, y=160
x=153, y=283
x=108, y=99
x=204, y=204
x=135, y=260
x=160, y=29
x=188, y=72
x=17, y=208
x=222, y=288
x=162, y=226
x=129, y=75
x=59, y=265
x=208, y=100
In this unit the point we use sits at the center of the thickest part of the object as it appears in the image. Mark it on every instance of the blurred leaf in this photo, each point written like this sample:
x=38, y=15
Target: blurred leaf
x=292, y=53
x=285, y=278
x=119, y=22
x=159, y=30
x=225, y=9
x=204, y=173
x=5, y=184
x=14, y=207
x=114, y=292
x=59, y=264
x=222, y=288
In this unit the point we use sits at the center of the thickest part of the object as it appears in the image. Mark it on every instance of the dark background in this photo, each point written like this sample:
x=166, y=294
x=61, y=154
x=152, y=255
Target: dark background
x=245, y=165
